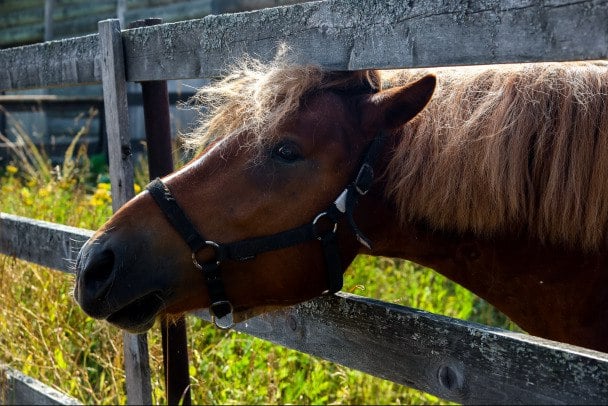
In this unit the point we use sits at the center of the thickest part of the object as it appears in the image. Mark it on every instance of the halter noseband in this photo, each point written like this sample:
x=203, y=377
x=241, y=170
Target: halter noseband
x=322, y=228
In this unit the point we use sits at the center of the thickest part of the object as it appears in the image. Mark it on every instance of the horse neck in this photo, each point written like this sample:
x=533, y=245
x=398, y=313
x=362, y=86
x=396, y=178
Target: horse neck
x=538, y=286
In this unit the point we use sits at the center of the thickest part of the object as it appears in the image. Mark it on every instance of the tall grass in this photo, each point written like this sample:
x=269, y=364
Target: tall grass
x=45, y=334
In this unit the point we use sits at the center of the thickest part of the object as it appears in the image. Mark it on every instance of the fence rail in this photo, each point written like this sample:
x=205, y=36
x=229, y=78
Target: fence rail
x=450, y=358
x=347, y=34
x=19, y=389
x=453, y=359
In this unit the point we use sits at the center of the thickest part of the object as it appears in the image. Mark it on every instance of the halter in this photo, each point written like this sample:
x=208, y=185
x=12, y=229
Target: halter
x=322, y=228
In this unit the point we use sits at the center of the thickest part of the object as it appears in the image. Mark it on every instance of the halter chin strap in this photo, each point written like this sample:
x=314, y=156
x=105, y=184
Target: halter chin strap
x=322, y=228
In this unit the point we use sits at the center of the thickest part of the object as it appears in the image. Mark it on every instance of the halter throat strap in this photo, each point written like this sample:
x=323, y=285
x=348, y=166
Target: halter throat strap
x=323, y=228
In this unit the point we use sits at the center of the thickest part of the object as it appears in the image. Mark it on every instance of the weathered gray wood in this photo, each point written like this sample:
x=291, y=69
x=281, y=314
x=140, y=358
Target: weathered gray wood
x=116, y=112
x=137, y=365
x=353, y=34
x=346, y=34
x=453, y=359
x=52, y=245
x=55, y=63
x=19, y=389
x=137, y=369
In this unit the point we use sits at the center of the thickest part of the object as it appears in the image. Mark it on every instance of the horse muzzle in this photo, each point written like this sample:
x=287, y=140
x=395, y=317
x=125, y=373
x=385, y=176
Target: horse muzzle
x=103, y=291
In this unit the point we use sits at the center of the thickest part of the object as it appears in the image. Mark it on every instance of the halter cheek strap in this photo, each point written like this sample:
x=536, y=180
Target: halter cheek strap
x=323, y=228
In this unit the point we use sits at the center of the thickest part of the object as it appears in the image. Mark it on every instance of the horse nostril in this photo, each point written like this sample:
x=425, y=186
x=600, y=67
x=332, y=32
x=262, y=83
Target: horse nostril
x=98, y=275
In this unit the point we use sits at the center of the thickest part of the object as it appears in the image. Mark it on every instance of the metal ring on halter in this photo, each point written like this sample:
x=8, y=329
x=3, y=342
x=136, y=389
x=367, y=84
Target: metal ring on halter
x=321, y=237
x=229, y=315
x=217, y=250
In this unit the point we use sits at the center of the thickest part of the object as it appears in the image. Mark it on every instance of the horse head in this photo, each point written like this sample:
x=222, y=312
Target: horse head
x=259, y=218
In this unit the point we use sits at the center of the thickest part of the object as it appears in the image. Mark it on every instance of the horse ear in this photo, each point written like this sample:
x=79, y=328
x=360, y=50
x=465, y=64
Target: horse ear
x=392, y=108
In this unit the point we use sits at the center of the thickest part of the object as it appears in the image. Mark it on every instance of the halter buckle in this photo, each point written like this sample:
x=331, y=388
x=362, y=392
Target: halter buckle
x=218, y=253
x=328, y=234
x=228, y=316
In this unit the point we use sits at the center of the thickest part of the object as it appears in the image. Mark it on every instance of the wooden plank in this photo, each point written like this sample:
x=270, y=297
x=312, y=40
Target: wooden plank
x=456, y=360
x=48, y=244
x=353, y=34
x=346, y=34
x=116, y=112
x=70, y=61
x=19, y=389
x=137, y=364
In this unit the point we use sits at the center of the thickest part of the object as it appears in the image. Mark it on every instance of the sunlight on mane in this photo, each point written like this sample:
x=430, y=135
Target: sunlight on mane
x=509, y=148
x=257, y=97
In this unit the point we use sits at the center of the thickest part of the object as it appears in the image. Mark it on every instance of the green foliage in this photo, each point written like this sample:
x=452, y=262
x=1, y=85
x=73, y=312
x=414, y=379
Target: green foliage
x=45, y=334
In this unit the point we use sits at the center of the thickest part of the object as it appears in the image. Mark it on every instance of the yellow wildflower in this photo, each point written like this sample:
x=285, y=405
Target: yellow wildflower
x=136, y=188
x=93, y=201
x=45, y=191
x=11, y=169
x=101, y=196
x=26, y=196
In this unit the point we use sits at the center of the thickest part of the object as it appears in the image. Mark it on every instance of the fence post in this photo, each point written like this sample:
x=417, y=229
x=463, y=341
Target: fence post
x=137, y=367
x=155, y=97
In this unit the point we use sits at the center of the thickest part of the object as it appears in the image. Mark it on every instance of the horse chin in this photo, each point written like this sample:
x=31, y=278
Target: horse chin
x=138, y=316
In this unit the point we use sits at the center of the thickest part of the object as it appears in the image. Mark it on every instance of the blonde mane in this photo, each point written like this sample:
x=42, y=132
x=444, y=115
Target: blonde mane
x=257, y=97
x=509, y=149
x=500, y=149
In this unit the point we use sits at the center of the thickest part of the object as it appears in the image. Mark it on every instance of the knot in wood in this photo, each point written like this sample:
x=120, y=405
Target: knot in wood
x=449, y=378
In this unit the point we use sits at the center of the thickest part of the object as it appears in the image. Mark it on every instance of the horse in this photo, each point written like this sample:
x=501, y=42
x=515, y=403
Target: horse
x=494, y=176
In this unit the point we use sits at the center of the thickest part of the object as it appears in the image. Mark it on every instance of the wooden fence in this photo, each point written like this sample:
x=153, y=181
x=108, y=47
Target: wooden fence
x=453, y=359
x=27, y=21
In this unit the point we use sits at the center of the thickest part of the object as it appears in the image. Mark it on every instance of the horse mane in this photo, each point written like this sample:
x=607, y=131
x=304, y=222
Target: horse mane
x=508, y=149
x=257, y=97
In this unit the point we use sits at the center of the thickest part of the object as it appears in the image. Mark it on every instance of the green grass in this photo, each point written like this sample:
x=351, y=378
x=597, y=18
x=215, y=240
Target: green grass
x=45, y=334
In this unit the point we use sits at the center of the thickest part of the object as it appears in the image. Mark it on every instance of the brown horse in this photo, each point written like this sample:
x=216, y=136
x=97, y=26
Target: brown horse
x=501, y=184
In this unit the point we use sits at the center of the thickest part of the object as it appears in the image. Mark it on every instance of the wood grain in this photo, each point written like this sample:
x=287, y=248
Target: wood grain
x=48, y=244
x=456, y=360
x=19, y=389
x=344, y=34
x=353, y=34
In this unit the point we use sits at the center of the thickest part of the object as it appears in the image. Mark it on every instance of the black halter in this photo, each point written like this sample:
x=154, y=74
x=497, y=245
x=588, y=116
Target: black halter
x=322, y=228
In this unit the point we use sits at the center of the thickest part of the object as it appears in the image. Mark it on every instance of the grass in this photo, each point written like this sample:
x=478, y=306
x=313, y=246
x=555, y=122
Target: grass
x=45, y=335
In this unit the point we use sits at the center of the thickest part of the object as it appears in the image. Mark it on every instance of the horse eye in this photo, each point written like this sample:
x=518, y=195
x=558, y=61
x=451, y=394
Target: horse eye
x=287, y=152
